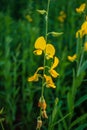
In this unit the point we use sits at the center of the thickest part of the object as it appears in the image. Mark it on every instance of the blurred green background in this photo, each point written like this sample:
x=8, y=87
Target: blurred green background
x=20, y=26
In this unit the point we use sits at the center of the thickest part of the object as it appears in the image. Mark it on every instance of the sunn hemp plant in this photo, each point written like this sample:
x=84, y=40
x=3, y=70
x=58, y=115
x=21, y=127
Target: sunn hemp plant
x=47, y=51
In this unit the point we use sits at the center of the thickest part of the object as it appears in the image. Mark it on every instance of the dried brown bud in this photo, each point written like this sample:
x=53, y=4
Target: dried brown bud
x=44, y=114
x=39, y=124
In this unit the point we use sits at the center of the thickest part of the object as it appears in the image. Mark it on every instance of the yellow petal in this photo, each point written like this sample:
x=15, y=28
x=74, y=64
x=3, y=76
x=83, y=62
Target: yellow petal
x=51, y=86
x=34, y=77
x=40, y=68
x=50, y=51
x=53, y=73
x=40, y=43
x=38, y=52
x=49, y=81
x=56, y=62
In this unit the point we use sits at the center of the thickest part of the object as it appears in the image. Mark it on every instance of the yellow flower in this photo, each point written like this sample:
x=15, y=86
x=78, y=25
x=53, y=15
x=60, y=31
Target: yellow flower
x=56, y=62
x=72, y=58
x=61, y=19
x=79, y=33
x=62, y=16
x=28, y=17
x=85, y=46
x=36, y=76
x=81, y=8
x=49, y=51
x=84, y=28
x=52, y=71
x=49, y=82
x=40, y=45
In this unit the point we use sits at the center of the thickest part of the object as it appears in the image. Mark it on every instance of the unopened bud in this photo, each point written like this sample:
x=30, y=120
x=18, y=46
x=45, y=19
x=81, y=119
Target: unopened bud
x=42, y=104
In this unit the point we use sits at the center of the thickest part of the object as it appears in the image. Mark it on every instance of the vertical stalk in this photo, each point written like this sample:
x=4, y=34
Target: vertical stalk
x=44, y=62
x=46, y=18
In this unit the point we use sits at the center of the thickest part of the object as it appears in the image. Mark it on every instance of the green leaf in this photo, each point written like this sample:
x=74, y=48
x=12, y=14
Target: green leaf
x=78, y=120
x=2, y=119
x=83, y=67
x=81, y=100
x=78, y=47
x=70, y=101
x=55, y=110
x=82, y=127
x=1, y=111
x=61, y=120
x=54, y=114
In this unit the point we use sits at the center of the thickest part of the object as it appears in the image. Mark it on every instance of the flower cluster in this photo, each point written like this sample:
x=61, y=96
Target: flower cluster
x=49, y=72
x=49, y=52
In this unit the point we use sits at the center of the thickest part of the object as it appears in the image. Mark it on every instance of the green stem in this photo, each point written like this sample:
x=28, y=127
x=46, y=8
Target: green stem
x=43, y=80
x=2, y=126
x=47, y=19
x=44, y=51
x=80, y=63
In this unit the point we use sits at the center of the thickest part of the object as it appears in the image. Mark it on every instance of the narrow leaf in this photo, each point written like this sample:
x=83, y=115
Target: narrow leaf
x=78, y=120
x=81, y=100
x=83, y=67
x=81, y=127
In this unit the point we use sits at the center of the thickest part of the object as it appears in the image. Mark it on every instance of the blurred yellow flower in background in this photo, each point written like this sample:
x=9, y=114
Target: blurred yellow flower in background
x=61, y=16
x=85, y=46
x=81, y=8
x=28, y=17
x=72, y=58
